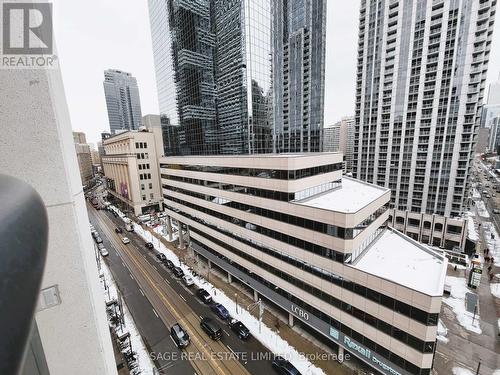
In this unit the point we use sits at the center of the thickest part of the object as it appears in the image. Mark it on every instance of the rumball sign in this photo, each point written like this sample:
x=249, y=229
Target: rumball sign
x=363, y=352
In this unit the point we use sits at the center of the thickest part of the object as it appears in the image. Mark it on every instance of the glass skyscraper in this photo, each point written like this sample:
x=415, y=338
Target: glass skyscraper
x=122, y=100
x=214, y=67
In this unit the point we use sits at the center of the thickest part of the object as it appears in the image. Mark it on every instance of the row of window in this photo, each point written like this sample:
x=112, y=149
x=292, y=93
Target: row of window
x=144, y=166
x=332, y=230
x=405, y=309
x=150, y=185
x=280, y=174
x=145, y=176
x=141, y=145
x=384, y=352
x=142, y=155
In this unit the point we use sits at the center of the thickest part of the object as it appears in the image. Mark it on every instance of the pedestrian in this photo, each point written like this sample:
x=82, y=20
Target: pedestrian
x=489, y=268
x=491, y=276
x=492, y=260
x=486, y=259
x=277, y=324
x=455, y=268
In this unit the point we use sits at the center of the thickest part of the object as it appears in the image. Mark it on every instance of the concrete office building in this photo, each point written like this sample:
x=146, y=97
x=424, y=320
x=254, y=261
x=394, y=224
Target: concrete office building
x=482, y=141
x=494, y=135
x=421, y=74
x=122, y=100
x=154, y=125
x=444, y=232
x=340, y=137
x=70, y=333
x=494, y=93
x=315, y=245
x=299, y=42
x=130, y=165
x=79, y=137
x=84, y=157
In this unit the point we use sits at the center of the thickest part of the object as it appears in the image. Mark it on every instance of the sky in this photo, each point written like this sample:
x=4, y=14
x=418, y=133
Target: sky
x=95, y=35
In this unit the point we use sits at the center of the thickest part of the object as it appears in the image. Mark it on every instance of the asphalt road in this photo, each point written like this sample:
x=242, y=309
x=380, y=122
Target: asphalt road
x=172, y=301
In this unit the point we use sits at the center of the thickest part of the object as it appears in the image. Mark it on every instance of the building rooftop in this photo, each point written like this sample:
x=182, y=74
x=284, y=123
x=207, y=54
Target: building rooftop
x=350, y=197
x=397, y=258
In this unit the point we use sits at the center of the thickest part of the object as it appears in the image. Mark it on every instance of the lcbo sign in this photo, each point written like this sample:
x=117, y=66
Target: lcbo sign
x=300, y=313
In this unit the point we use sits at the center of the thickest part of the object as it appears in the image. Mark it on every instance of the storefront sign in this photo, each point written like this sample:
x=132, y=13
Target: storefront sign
x=475, y=277
x=300, y=313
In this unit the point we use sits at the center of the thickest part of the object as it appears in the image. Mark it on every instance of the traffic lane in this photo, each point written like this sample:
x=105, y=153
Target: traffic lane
x=246, y=351
x=152, y=329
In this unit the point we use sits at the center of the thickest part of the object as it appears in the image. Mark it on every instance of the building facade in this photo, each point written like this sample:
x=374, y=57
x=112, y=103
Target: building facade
x=299, y=41
x=84, y=157
x=122, y=100
x=130, y=165
x=420, y=84
x=494, y=135
x=314, y=244
x=79, y=137
x=439, y=231
x=339, y=137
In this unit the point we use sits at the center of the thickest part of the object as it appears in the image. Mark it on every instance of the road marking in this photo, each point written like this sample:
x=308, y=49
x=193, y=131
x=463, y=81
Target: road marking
x=132, y=277
x=172, y=340
x=155, y=267
x=140, y=290
x=124, y=264
x=232, y=351
x=225, y=332
x=168, y=282
x=180, y=295
x=155, y=313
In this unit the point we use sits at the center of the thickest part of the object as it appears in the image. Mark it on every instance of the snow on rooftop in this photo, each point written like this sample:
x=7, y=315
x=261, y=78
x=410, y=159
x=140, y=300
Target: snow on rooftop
x=397, y=258
x=350, y=197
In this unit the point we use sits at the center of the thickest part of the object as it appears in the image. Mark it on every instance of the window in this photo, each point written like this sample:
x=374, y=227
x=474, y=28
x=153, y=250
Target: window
x=151, y=196
x=142, y=186
x=140, y=166
x=150, y=185
x=143, y=197
x=136, y=144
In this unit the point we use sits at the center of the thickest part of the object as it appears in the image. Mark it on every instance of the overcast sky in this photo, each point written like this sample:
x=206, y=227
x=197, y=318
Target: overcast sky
x=95, y=35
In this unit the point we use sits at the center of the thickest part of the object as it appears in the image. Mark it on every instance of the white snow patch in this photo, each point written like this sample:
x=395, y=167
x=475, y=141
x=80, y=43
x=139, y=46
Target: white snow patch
x=481, y=209
x=493, y=243
x=143, y=359
x=461, y=371
x=269, y=338
x=457, y=302
x=495, y=289
x=475, y=194
x=472, y=233
x=442, y=331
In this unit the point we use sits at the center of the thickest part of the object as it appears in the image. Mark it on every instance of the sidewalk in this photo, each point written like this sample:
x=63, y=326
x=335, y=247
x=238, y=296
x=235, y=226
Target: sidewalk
x=301, y=340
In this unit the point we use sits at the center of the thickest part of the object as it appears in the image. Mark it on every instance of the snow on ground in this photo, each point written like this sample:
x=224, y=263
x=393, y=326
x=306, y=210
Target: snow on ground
x=493, y=243
x=461, y=371
x=143, y=359
x=442, y=331
x=475, y=194
x=269, y=338
x=457, y=302
x=481, y=209
x=495, y=289
x=471, y=228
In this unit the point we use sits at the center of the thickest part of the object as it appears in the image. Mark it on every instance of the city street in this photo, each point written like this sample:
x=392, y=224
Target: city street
x=173, y=302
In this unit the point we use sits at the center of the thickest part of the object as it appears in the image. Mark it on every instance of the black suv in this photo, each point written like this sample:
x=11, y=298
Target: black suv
x=211, y=328
x=178, y=272
x=179, y=335
x=168, y=263
x=204, y=296
x=282, y=366
x=149, y=245
x=240, y=329
x=118, y=230
x=161, y=257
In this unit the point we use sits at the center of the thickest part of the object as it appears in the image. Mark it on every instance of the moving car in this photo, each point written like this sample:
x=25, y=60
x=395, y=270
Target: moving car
x=118, y=230
x=179, y=335
x=188, y=280
x=161, y=257
x=240, y=329
x=149, y=245
x=220, y=311
x=125, y=240
x=282, y=366
x=204, y=296
x=104, y=252
x=211, y=328
x=178, y=272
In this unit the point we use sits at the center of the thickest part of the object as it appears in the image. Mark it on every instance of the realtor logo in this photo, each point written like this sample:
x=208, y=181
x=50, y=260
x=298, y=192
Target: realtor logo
x=27, y=35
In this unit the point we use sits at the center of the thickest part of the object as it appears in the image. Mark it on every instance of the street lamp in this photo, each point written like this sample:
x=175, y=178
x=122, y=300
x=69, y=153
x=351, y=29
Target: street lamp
x=236, y=302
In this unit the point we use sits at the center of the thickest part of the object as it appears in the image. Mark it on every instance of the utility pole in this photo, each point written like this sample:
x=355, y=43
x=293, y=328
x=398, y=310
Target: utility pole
x=261, y=311
x=478, y=367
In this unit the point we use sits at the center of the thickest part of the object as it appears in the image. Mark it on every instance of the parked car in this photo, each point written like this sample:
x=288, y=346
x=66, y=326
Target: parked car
x=282, y=366
x=104, y=252
x=161, y=257
x=496, y=211
x=188, y=280
x=211, y=328
x=95, y=234
x=125, y=240
x=179, y=335
x=168, y=263
x=178, y=272
x=220, y=311
x=240, y=329
x=204, y=296
x=149, y=245
x=100, y=246
x=98, y=239
x=118, y=230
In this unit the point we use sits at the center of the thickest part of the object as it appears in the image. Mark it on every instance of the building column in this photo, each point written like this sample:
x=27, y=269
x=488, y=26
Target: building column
x=209, y=264
x=169, y=228
x=229, y=278
x=255, y=295
x=181, y=236
x=290, y=320
x=340, y=354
